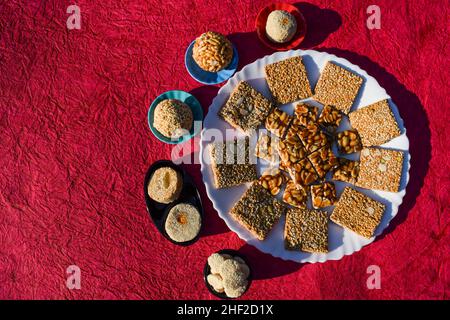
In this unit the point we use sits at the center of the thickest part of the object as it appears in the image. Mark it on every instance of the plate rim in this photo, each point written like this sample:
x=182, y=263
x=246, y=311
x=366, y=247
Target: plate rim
x=360, y=71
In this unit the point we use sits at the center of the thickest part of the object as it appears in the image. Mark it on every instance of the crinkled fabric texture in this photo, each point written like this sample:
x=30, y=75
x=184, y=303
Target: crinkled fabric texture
x=75, y=148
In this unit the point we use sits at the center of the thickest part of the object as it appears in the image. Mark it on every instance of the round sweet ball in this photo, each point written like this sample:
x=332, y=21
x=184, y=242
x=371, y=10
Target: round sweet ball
x=212, y=51
x=165, y=185
x=183, y=222
x=173, y=118
x=281, y=26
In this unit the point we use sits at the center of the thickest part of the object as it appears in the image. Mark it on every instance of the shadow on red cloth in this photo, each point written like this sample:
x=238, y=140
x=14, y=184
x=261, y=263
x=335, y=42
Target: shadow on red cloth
x=320, y=24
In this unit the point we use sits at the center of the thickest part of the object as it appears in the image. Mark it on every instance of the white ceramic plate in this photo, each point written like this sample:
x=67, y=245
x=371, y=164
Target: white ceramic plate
x=341, y=241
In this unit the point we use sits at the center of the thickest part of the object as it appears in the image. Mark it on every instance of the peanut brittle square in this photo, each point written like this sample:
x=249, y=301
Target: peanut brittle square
x=258, y=211
x=231, y=164
x=306, y=230
x=375, y=123
x=330, y=118
x=337, y=87
x=380, y=169
x=277, y=122
x=291, y=150
x=246, y=108
x=295, y=195
x=303, y=173
x=347, y=171
x=288, y=81
x=323, y=195
x=305, y=114
x=358, y=212
x=348, y=141
x=267, y=148
x=313, y=138
x=323, y=161
x=272, y=180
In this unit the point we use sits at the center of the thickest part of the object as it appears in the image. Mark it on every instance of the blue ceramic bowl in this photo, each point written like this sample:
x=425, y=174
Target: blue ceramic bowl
x=188, y=99
x=206, y=77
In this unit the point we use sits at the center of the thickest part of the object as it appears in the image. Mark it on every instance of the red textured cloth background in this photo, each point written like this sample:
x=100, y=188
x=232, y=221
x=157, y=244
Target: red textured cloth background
x=75, y=146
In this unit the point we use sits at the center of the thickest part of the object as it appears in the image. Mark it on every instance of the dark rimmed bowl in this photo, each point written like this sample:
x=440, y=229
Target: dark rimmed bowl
x=207, y=271
x=159, y=211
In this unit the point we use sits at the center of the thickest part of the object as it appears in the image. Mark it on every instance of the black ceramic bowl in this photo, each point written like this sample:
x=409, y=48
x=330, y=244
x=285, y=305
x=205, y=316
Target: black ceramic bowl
x=159, y=211
x=207, y=271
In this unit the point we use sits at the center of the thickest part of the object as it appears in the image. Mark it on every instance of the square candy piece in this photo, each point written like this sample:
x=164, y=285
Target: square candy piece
x=295, y=195
x=277, y=122
x=348, y=141
x=357, y=212
x=323, y=195
x=313, y=138
x=330, y=118
x=291, y=150
x=375, y=124
x=272, y=180
x=380, y=169
x=246, y=109
x=267, y=148
x=287, y=80
x=306, y=230
x=258, y=211
x=303, y=173
x=323, y=161
x=347, y=171
x=337, y=87
x=305, y=114
x=231, y=164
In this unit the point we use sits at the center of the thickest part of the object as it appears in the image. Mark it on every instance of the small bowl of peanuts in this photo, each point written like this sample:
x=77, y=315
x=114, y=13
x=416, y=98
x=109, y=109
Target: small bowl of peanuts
x=227, y=274
x=211, y=58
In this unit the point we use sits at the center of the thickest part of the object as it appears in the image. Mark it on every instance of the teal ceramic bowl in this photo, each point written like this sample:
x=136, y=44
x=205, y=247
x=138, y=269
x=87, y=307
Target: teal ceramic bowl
x=188, y=99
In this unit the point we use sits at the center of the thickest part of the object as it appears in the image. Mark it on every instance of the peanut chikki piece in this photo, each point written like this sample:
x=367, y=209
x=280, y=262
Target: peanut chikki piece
x=330, y=118
x=267, y=148
x=323, y=195
x=380, y=169
x=272, y=180
x=375, y=123
x=347, y=171
x=303, y=173
x=295, y=195
x=358, y=212
x=277, y=122
x=313, y=138
x=348, y=141
x=258, y=211
x=337, y=87
x=323, y=161
x=291, y=150
x=306, y=230
x=305, y=114
x=231, y=164
x=287, y=80
x=246, y=109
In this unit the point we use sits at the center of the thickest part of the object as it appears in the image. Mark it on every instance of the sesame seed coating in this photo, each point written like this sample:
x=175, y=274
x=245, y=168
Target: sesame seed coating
x=337, y=87
x=306, y=230
x=380, y=169
x=358, y=212
x=375, y=123
x=231, y=164
x=287, y=80
x=258, y=211
x=246, y=109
